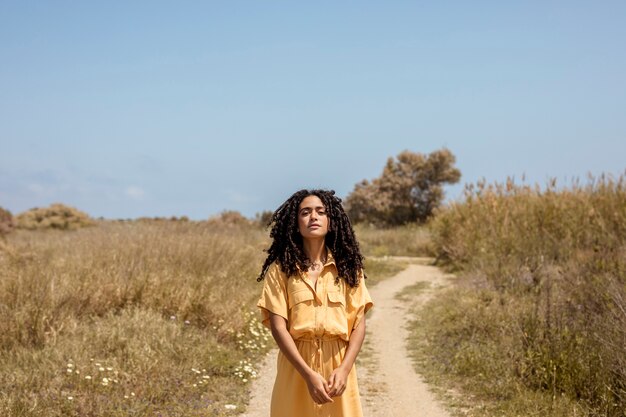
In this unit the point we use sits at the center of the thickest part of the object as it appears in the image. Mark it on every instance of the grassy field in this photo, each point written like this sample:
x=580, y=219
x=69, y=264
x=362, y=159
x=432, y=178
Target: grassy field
x=536, y=323
x=134, y=318
x=158, y=317
x=138, y=318
x=410, y=240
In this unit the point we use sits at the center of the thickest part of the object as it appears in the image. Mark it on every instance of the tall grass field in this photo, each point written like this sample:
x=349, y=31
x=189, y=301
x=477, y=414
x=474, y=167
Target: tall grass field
x=536, y=324
x=135, y=318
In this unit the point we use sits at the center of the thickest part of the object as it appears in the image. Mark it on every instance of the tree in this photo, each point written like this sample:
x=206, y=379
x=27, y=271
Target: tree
x=408, y=190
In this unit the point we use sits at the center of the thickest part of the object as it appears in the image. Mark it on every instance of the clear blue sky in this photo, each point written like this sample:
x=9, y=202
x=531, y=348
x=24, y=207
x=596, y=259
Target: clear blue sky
x=150, y=108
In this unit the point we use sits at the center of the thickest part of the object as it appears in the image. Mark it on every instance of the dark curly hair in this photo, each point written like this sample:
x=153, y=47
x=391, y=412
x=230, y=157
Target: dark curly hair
x=287, y=247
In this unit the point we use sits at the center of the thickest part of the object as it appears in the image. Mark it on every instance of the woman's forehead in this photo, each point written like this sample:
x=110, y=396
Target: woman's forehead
x=311, y=201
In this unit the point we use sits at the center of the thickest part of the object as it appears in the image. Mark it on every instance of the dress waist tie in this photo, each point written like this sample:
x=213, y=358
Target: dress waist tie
x=316, y=357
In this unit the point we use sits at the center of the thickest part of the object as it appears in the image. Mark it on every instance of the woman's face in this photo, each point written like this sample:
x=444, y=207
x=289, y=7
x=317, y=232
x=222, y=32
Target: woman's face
x=312, y=218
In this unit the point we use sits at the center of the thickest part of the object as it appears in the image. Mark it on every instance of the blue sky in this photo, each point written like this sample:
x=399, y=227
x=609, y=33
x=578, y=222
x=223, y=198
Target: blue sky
x=150, y=108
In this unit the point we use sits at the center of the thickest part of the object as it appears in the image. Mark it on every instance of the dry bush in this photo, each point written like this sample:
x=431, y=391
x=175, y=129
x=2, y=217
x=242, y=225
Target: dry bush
x=56, y=216
x=7, y=223
x=552, y=264
x=408, y=190
x=263, y=218
x=230, y=218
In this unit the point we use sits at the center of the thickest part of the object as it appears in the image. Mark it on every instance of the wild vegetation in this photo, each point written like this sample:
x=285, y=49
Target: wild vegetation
x=147, y=317
x=56, y=216
x=129, y=318
x=7, y=223
x=408, y=190
x=408, y=240
x=157, y=316
x=537, y=322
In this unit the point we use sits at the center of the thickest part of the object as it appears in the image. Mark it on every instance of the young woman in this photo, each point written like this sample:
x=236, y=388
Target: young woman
x=314, y=300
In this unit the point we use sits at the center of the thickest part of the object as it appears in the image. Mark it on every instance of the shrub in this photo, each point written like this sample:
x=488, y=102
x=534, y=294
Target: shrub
x=263, y=218
x=56, y=216
x=230, y=217
x=7, y=223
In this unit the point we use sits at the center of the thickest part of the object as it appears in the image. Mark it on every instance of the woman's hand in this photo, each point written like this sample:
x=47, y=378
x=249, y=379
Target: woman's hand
x=318, y=388
x=337, y=381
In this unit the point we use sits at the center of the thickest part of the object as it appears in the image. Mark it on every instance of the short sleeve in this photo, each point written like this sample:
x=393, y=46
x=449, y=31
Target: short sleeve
x=274, y=296
x=359, y=302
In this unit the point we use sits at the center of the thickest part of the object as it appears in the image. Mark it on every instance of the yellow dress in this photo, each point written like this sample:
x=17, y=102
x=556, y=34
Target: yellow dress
x=320, y=319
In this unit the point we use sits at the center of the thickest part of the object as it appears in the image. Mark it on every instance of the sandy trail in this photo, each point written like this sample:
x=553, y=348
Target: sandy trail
x=388, y=383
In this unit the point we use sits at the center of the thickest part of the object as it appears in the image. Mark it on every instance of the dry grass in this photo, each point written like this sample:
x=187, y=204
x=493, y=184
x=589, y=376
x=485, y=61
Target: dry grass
x=537, y=324
x=379, y=243
x=133, y=318
x=147, y=317
x=410, y=240
x=380, y=269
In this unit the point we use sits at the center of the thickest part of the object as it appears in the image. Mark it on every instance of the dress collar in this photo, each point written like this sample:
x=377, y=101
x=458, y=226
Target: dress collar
x=330, y=259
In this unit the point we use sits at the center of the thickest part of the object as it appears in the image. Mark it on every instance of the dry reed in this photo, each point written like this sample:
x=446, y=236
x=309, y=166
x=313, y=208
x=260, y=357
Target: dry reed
x=541, y=303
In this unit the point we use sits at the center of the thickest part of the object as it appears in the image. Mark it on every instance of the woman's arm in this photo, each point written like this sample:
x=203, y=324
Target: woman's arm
x=339, y=376
x=315, y=382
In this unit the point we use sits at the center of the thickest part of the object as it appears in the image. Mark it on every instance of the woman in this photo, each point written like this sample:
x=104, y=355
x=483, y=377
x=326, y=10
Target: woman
x=314, y=301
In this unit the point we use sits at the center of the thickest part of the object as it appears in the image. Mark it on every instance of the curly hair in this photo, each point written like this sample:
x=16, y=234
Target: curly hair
x=287, y=249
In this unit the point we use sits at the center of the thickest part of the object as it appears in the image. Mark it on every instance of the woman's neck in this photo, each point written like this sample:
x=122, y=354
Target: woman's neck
x=315, y=250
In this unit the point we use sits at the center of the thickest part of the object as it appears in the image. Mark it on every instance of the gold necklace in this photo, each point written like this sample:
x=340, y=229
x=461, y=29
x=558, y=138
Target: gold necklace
x=315, y=265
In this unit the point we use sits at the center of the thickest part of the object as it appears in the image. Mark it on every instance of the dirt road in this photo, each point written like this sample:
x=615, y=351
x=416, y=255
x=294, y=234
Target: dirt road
x=388, y=383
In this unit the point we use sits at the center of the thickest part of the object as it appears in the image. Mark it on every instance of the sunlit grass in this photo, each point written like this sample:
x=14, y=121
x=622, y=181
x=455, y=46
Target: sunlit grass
x=380, y=269
x=537, y=322
x=149, y=317
x=410, y=240
x=130, y=318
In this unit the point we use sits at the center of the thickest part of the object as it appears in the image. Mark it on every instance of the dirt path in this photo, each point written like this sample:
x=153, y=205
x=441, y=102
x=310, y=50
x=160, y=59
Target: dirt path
x=388, y=383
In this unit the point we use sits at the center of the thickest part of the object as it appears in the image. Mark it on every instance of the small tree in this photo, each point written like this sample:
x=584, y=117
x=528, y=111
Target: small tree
x=408, y=190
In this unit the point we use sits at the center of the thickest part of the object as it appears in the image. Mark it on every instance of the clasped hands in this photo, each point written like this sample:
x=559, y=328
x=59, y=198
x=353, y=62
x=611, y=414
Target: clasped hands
x=321, y=390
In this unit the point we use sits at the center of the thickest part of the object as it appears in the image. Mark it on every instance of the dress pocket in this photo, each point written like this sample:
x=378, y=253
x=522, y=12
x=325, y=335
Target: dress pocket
x=301, y=312
x=336, y=297
x=300, y=296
